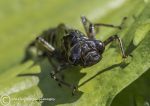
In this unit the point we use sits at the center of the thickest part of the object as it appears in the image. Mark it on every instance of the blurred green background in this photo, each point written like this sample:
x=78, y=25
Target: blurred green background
x=22, y=20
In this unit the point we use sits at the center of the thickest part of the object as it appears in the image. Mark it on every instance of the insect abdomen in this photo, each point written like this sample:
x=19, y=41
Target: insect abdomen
x=54, y=36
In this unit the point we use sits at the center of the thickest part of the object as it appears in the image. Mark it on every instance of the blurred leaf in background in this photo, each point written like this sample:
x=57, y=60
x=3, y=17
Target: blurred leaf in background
x=22, y=21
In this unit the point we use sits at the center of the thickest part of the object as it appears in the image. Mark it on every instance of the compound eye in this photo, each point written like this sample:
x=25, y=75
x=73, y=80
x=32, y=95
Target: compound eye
x=99, y=46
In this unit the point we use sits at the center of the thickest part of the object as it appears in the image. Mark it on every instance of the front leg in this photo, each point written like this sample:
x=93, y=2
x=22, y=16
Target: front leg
x=60, y=81
x=48, y=47
x=115, y=37
x=57, y=70
x=32, y=51
x=90, y=27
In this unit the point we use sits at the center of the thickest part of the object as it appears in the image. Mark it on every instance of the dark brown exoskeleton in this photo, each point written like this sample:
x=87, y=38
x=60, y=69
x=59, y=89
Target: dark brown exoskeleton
x=72, y=47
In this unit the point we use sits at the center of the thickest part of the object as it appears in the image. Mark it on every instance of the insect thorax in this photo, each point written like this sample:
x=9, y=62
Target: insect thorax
x=79, y=50
x=73, y=46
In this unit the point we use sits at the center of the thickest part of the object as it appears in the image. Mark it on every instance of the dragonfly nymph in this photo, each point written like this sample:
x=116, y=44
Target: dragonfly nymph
x=72, y=47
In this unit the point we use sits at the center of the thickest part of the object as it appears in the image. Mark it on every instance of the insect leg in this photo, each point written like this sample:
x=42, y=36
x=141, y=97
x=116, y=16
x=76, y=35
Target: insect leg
x=45, y=44
x=93, y=28
x=106, y=25
x=115, y=37
x=73, y=87
x=60, y=81
x=88, y=27
x=32, y=52
x=110, y=25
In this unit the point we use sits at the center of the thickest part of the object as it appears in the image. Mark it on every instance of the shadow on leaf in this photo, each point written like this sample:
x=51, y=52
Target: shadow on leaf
x=121, y=65
x=50, y=88
x=62, y=95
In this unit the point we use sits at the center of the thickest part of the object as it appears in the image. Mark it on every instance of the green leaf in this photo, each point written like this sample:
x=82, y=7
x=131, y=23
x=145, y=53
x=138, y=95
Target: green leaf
x=136, y=94
x=99, y=84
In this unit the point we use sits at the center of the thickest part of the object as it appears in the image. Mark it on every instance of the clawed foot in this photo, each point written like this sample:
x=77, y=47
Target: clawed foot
x=124, y=57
